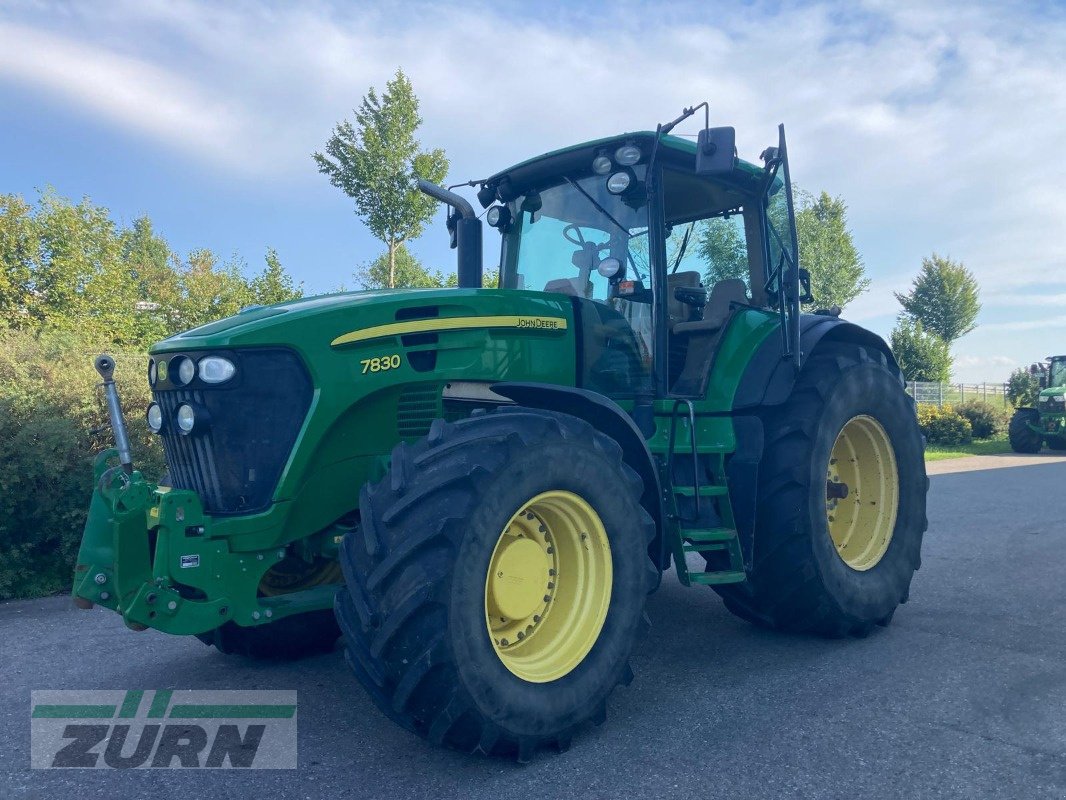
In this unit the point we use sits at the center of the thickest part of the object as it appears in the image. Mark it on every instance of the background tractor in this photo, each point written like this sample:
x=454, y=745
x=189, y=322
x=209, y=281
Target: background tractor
x=1030, y=428
x=485, y=484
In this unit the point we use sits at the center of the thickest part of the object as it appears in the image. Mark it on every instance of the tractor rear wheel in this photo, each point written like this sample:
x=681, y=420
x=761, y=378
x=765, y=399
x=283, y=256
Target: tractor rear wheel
x=842, y=491
x=1023, y=439
x=496, y=585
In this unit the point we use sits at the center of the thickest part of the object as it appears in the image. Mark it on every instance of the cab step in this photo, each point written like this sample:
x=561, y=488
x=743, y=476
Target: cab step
x=706, y=540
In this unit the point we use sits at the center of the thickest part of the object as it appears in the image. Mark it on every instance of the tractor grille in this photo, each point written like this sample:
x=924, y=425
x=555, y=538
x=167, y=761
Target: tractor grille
x=254, y=419
x=416, y=409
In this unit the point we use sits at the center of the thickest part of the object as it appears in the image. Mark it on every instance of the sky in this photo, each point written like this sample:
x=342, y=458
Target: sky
x=940, y=124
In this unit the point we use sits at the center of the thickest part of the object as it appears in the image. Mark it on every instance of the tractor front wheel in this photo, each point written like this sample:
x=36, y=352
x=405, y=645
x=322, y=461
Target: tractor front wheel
x=496, y=584
x=1023, y=439
x=842, y=490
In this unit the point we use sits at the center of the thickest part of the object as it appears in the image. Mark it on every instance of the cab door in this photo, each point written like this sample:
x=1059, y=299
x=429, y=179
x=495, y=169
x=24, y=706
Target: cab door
x=787, y=285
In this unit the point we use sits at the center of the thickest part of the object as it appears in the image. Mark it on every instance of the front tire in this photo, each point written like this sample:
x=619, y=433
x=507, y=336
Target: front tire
x=1023, y=439
x=432, y=638
x=842, y=494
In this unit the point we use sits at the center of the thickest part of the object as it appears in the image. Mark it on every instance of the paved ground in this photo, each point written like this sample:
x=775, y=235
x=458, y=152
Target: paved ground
x=963, y=696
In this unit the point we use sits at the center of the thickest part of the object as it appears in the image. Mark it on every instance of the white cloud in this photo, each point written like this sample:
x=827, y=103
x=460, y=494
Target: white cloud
x=940, y=124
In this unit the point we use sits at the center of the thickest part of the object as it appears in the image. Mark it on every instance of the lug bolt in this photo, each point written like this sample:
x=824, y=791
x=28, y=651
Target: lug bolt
x=536, y=617
x=547, y=598
x=504, y=642
x=173, y=604
x=269, y=613
x=100, y=578
x=551, y=572
x=551, y=585
x=550, y=550
x=521, y=635
x=255, y=615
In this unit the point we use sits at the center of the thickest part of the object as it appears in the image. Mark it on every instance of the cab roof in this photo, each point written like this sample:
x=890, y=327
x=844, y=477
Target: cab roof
x=676, y=149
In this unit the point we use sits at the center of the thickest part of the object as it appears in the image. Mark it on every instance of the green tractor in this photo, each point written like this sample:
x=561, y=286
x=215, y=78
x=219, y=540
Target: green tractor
x=478, y=487
x=1030, y=427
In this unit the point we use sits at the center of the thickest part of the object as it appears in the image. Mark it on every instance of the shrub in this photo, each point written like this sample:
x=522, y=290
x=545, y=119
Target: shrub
x=943, y=425
x=986, y=420
x=1022, y=388
x=51, y=427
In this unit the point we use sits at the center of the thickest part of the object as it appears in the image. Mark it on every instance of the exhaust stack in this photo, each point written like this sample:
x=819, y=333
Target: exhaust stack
x=466, y=233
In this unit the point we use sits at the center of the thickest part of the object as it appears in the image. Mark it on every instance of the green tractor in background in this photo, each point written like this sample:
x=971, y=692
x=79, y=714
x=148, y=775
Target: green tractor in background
x=484, y=484
x=1031, y=427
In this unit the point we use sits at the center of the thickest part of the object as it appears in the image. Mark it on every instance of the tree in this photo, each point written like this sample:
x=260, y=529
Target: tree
x=1023, y=388
x=375, y=162
x=19, y=259
x=402, y=271
x=722, y=246
x=922, y=356
x=209, y=291
x=274, y=284
x=828, y=252
x=944, y=298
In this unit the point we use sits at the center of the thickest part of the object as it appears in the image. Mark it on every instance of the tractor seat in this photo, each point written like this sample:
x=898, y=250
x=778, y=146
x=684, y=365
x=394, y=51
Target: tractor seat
x=679, y=312
x=718, y=308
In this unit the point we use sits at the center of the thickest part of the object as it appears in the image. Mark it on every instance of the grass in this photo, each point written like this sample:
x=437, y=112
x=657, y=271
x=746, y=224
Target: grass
x=978, y=447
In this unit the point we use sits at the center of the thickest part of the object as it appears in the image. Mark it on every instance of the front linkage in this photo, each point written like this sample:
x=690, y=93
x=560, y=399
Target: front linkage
x=147, y=552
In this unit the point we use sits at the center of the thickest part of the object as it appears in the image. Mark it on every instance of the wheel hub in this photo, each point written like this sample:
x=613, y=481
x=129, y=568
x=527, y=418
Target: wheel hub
x=548, y=586
x=862, y=492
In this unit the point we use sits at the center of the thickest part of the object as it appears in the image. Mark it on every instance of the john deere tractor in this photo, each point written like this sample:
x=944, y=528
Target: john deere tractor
x=479, y=487
x=1030, y=427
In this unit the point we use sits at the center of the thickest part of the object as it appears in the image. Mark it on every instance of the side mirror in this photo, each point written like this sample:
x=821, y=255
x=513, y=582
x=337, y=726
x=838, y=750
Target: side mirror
x=716, y=151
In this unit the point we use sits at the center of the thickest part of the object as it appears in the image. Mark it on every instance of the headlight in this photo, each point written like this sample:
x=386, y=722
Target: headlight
x=186, y=418
x=627, y=155
x=601, y=164
x=499, y=217
x=619, y=182
x=155, y=418
x=182, y=370
x=215, y=369
x=1059, y=398
x=153, y=372
x=609, y=267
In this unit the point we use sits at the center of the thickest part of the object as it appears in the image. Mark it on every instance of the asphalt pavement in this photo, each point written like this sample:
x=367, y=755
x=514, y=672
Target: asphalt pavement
x=963, y=696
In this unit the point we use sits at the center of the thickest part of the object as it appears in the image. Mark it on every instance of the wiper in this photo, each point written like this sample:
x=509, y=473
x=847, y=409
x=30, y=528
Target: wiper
x=684, y=246
x=598, y=207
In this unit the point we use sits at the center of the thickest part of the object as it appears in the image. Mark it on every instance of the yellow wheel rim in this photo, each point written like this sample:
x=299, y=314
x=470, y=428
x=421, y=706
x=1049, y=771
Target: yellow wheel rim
x=548, y=586
x=294, y=576
x=862, y=492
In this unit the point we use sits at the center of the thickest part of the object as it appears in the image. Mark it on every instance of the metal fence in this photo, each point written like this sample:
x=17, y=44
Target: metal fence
x=955, y=393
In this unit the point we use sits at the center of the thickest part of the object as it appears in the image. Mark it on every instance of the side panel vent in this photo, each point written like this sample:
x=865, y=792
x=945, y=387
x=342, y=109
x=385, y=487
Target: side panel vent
x=418, y=406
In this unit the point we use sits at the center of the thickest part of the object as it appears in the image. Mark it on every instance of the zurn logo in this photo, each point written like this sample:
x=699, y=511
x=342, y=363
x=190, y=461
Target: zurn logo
x=162, y=729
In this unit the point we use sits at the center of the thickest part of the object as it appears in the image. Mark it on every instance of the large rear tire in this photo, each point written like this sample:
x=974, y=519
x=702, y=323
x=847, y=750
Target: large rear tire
x=1023, y=439
x=842, y=492
x=439, y=626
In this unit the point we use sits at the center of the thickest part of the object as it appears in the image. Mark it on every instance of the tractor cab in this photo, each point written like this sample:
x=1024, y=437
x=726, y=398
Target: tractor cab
x=657, y=249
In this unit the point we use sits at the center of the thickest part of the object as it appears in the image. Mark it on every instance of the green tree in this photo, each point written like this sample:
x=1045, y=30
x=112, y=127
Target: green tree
x=944, y=298
x=274, y=284
x=19, y=259
x=209, y=291
x=375, y=161
x=922, y=356
x=828, y=251
x=722, y=247
x=1023, y=388
x=402, y=271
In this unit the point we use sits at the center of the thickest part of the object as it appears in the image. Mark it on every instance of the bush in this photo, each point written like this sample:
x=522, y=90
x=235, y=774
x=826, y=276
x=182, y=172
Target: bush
x=985, y=420
x=51, y=427
x=1023, y=388
x=943, y=425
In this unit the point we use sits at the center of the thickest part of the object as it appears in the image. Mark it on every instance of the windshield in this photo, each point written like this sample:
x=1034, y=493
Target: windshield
x=1057, y=373
x=563, y=232
x=559, y=241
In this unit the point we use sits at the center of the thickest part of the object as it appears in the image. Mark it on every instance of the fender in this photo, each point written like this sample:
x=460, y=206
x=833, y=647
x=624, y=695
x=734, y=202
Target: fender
x=768, y=379
x=609, y=418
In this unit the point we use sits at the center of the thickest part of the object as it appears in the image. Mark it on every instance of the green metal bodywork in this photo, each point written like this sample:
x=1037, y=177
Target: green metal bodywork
x=153, y=555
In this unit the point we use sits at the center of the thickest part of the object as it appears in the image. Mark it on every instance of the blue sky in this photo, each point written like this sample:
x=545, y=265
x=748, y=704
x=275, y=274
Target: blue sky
x=940, y=124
